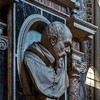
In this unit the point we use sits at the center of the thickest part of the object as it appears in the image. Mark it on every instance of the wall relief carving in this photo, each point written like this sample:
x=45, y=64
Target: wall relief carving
x=49, y=51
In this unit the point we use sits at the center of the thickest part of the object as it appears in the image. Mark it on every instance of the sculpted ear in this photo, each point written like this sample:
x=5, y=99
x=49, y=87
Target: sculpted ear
x=53, y=39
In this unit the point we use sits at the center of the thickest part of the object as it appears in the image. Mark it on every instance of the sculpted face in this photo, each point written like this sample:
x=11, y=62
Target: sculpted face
x=57, y=38
x=62, y=46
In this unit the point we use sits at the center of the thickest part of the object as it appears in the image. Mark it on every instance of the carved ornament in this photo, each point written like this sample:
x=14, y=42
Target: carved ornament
x=3, y=39
x=78, y=67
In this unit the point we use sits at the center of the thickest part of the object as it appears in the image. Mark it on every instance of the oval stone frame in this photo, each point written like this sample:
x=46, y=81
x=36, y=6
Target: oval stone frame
x=34, y=24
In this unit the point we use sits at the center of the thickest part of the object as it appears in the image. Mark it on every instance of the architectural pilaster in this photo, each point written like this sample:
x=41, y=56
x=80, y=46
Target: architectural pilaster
x=90, y=45
x=78, y=68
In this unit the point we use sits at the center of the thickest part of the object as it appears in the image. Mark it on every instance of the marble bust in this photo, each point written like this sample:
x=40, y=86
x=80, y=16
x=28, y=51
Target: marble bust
x=45, y=63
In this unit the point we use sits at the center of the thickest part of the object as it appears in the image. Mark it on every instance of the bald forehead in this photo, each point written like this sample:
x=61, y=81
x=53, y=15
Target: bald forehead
x=58, y=28
x=67, y=38
x=66, y=34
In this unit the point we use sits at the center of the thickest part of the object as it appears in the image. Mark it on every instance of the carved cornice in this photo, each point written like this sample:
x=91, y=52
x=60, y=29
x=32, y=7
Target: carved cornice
x=3, y=39
x=81, y=29
x=67, y=3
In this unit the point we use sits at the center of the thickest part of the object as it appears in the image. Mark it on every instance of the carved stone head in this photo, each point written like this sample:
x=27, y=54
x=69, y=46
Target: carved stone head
x=57, y=38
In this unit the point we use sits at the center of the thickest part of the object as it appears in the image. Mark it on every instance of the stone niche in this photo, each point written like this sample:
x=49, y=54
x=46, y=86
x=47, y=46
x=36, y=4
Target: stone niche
x=30, y=19
x=25, y=22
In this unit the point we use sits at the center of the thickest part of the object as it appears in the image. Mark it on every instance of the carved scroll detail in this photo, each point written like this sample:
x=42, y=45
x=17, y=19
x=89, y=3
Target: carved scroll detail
x=3, y=39
x=3, y=42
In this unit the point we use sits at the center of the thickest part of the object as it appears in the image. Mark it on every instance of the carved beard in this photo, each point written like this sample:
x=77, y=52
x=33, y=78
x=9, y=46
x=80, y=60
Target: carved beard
x=60, y=62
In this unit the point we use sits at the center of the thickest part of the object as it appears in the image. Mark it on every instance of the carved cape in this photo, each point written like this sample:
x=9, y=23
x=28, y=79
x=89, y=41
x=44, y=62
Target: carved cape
x=50, y=83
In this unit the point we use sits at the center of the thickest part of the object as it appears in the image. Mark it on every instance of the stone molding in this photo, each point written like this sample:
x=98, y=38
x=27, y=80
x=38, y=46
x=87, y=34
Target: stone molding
x=32, y=20
x=81, y=29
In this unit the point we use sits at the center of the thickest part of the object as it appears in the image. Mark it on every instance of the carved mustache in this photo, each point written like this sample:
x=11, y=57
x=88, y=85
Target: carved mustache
x=65, y=51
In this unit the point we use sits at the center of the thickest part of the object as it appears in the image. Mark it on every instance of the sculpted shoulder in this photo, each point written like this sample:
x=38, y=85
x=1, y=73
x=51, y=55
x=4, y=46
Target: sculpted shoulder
x=32, y=58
